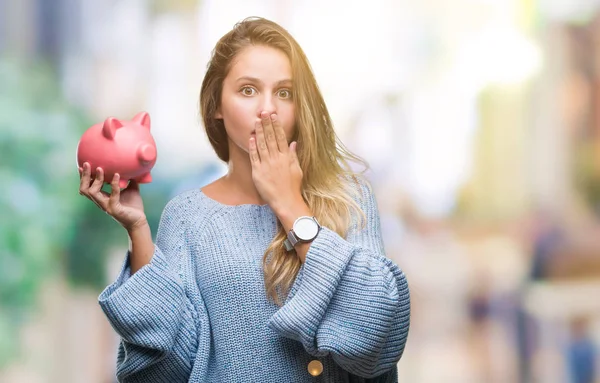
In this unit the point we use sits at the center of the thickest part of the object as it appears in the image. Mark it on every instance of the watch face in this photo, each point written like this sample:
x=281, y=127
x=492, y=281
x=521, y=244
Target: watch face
x=306, y=228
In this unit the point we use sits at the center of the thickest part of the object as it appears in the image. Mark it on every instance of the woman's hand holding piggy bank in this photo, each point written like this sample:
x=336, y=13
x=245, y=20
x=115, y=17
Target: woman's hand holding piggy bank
x=122, y=153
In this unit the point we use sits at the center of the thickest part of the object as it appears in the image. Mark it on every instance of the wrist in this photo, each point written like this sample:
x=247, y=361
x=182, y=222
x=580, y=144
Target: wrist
x=139, y=229
x=305, y=230
x=289, y=213
x=141, y=247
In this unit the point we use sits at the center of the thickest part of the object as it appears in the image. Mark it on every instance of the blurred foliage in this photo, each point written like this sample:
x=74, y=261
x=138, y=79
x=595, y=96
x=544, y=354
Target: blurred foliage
x=38, y=132
x=47, y=229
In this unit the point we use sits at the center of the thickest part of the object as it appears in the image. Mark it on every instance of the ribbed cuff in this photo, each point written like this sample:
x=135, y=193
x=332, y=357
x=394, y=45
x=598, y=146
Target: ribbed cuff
x=145, y=308
x=325, y=263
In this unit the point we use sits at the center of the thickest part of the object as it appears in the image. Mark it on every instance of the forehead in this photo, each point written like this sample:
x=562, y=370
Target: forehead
x=261, y=62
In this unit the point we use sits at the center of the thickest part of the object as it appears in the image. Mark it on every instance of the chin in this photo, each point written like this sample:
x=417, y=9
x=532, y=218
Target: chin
x=245, y=148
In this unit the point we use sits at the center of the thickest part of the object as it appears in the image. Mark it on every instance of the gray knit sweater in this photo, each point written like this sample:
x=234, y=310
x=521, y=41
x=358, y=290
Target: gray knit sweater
x=198, y=312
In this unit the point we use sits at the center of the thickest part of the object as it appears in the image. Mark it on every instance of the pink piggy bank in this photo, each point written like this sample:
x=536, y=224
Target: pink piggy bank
x=124, y=147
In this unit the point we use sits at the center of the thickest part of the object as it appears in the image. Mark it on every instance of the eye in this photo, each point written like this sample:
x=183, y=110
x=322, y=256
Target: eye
x=248, y=91
x=285, y=93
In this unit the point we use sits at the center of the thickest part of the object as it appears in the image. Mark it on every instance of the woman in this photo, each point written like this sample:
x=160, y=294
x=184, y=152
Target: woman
x=273, y=273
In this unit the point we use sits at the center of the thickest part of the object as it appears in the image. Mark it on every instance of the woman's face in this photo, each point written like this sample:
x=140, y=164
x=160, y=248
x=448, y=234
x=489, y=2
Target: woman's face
x=260, y=79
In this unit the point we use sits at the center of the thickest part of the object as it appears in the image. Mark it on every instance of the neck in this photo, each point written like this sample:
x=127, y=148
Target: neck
x=239, y=176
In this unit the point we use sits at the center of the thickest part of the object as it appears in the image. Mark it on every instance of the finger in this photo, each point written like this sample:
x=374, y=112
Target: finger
x=282, y=144
x=293, y=153
x=253, y=152
x=263, y=151
x=91, y=174
x=95, y=190
x=84, y=181
x=115, y=194
x=269, y=133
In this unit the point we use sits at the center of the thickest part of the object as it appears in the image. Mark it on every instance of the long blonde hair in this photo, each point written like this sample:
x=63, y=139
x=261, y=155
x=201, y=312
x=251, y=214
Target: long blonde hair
x=326, y=183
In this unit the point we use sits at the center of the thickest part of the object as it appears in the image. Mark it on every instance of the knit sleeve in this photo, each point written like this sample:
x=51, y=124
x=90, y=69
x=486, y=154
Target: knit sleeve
x=349, y=300
x=151, y=311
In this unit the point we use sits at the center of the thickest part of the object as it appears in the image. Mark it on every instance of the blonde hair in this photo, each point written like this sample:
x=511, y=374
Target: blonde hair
x=323, y=158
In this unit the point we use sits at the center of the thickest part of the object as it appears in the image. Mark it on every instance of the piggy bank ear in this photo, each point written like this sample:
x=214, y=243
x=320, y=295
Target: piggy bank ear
x=110, y=127
x=143, y=119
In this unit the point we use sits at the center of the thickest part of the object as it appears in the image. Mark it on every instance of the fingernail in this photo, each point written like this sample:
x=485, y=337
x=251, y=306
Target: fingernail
x=264, y=114
x=273, y=117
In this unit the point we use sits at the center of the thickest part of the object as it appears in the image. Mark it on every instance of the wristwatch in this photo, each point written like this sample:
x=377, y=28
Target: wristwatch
x=305, y=229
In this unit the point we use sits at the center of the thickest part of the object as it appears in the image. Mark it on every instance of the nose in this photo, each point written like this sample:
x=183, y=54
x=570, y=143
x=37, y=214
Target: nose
x=268, y=105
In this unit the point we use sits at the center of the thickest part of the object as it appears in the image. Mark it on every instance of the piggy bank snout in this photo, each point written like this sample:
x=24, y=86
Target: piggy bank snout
x=147, y=153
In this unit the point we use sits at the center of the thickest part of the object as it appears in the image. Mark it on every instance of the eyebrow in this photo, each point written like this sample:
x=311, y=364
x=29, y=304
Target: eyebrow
x=256, y=80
